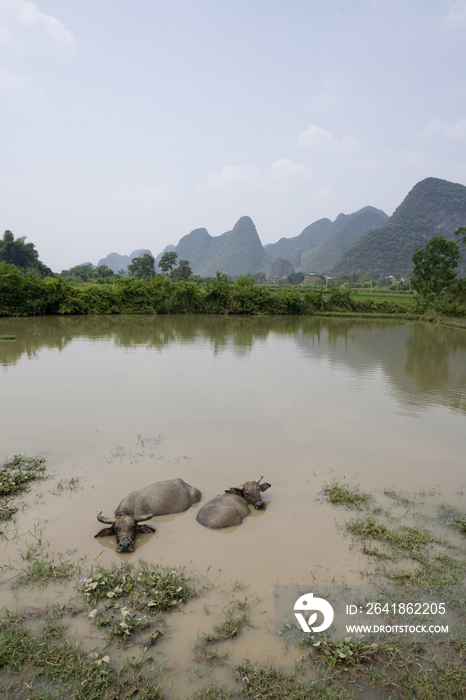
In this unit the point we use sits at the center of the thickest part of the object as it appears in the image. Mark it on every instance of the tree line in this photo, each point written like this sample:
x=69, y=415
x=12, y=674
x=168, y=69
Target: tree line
x=28, y=287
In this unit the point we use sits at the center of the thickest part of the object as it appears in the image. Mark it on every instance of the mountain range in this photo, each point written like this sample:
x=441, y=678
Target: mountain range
x=365, y=241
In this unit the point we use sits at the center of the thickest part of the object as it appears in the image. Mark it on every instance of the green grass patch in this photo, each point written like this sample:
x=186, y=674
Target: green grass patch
x=268, y=683
x=44, y=569
x=213, y=692
x=16, y=473
x=400, y=538
x=344, y=495
x=49, y=666
x=7, y=337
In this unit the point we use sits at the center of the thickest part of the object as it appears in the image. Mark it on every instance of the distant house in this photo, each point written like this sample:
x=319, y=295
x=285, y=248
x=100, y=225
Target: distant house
x=311, y=278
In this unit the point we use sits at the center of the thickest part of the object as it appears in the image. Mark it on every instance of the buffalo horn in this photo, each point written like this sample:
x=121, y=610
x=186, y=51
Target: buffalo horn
x=147, y=516
x=103, y=519
x=259, y=480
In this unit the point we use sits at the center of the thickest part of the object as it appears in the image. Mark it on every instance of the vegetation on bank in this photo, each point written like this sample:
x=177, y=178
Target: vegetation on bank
x=28, y=295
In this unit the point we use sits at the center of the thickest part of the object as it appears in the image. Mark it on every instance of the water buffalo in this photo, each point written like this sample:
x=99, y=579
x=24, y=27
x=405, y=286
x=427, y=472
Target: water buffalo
x=230, y=508
x=161, y=498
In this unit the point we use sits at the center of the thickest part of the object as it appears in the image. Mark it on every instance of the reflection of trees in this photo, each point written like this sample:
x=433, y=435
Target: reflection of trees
x=422, y=362
x=427, y=357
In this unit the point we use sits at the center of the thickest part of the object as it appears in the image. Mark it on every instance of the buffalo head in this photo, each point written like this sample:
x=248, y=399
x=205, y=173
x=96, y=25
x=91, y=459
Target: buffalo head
x=125, y=528
x=251, y=491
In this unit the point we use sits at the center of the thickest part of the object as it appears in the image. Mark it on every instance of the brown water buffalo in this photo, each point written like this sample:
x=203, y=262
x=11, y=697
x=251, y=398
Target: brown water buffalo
x=230, y=508
x=161, y=498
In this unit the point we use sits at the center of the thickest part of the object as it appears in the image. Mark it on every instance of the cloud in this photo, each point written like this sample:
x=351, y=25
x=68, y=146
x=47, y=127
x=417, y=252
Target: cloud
x=22, y=13
x=9, y=80
x=455, y=17
x=153, y=195
x=284, y=169
x=437, y=128
x=317, y=137
x=314, y=136
x=232, y=177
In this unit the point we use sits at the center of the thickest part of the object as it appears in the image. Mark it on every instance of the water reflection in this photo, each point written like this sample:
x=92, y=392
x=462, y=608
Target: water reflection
x=423, y=364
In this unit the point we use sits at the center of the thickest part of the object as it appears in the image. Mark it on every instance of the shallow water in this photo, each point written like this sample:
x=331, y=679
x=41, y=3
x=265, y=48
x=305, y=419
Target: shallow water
x=121, y=402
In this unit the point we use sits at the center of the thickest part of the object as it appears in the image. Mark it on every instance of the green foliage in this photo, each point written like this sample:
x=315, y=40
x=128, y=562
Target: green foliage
x=461, y=232
x=182, y=273
x=168, y=261
x=434, y=265
x=295, y=278
x=142, y=268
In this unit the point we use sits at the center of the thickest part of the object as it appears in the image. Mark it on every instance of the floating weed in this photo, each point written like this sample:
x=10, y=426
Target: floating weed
x=16, y=473
x=7, y=511
x=67, y=485
x=342, y=495
x=126, y=599
x=44, y=570
x=453, y=518
x=5, y=336
x=235, y=618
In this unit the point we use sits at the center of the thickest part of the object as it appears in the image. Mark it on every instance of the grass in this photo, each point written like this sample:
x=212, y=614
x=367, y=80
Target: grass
x=44, y=570
x=343, y=495
x=453, y=518
x=127, y=599
x=7, y=337
x=46, y=665
x=16, y=473
x=268, y=683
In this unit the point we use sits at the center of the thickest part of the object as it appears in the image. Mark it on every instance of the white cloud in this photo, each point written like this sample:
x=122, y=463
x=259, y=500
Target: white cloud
x=285, y=169
x=455, y=17
x=436, y=128
x=314, y=136
x=232, y=177
x=317, y=137
x=22, y=13
x=150, y=194
x=9, y=80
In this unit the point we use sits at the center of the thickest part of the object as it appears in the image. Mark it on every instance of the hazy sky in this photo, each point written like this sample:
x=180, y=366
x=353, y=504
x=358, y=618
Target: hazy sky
x=126, y=124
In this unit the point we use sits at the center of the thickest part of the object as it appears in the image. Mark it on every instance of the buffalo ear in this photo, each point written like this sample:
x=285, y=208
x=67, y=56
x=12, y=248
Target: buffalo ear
x=235, y=490
x=105, y=532
x=146, y=529
x=265, y=486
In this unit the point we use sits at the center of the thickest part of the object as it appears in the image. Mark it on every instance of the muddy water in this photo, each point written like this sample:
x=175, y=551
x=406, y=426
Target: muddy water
x=122, y=402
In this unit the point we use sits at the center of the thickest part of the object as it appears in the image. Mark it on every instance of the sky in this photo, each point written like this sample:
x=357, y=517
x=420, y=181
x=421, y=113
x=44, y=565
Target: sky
x=126, y=124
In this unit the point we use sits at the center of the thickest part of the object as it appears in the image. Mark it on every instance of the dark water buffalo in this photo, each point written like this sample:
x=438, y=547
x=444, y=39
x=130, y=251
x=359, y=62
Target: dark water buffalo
x=230, y=508
x=161, y=498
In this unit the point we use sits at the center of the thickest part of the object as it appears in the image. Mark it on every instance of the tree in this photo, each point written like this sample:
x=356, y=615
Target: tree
x=183, y=272
x=434, y=265
x=461, y=232
x=17, y=252
x=142, y=268
x=168, y=261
